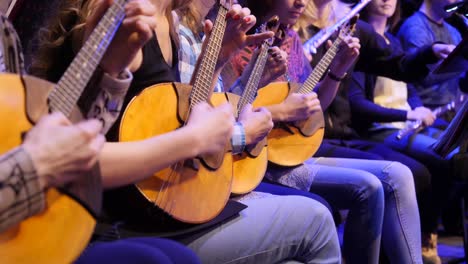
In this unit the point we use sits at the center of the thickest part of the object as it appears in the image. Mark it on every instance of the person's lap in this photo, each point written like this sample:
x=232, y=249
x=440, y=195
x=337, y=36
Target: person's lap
x=138, y=250
x=273, y=229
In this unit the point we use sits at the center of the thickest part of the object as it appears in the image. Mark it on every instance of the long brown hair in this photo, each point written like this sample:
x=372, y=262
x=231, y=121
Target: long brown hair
x=173, y=28
x=56, y=40
x=62, y=36
x=392, y=22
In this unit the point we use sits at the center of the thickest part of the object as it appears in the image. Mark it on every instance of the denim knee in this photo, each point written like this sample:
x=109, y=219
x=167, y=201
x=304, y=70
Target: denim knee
x=399, y=178
x=309, y=209
x=319, y=216
x=320, y=243
x=323, y=214
x=370, y=188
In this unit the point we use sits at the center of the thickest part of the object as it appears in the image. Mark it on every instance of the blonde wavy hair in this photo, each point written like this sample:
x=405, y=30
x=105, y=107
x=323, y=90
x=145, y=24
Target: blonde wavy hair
x=333, y=11
x=190, y=17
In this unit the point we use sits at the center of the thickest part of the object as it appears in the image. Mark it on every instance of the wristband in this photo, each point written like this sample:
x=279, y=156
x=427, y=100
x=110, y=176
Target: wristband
x=238, y=138
x=332, y=76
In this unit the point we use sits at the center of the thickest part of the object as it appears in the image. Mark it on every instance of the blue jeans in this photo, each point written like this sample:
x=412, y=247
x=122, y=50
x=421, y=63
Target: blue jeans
x=381, y=199
x=138, y=250
x=273, y=229
x=418, y=146
x=373, y=150
x=282, y=190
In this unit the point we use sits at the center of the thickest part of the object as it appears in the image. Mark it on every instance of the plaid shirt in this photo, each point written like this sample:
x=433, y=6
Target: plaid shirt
x=20, y=193
x=11, y=57
x=190, y=50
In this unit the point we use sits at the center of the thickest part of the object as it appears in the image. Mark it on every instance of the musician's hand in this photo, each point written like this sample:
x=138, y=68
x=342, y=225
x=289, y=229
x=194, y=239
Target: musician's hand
x=276, y=65
x=441, y=51
x=299, y=106
x=239, y=21
x=62, y=152
x=257, y=123
x=135, y=30
x=308, y=51
x=422, y=114
x=212, y=127
x=346, y=56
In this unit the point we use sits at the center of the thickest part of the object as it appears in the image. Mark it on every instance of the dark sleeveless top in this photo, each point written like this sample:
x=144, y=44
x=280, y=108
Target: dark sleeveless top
x=153, y=70
x=126, y=212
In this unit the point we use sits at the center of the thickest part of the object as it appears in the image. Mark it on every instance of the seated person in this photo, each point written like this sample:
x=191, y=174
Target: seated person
x=46, y=162
x=380, y=106
x=157, y=60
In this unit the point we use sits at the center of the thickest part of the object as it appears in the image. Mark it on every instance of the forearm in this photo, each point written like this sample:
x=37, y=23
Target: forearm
x=277, y=112
x=389, y=59
x=413, y=97
x=376, y=113
x=326, y=91
x=145, y=157
x=361, y=100
x=415, y=65
x=21, y=195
